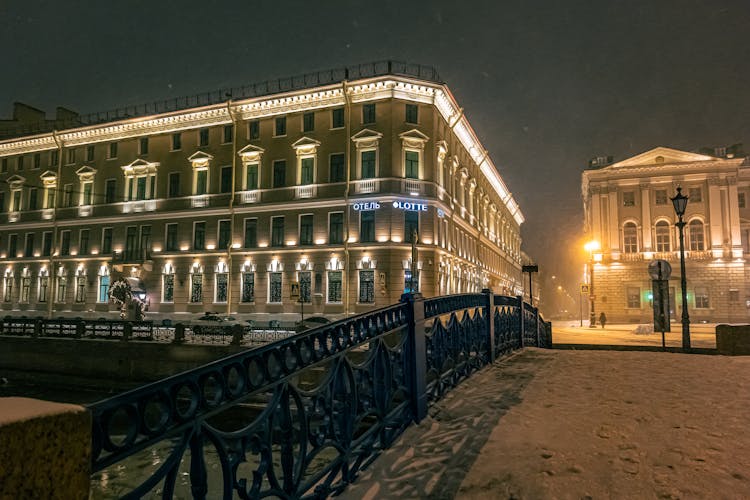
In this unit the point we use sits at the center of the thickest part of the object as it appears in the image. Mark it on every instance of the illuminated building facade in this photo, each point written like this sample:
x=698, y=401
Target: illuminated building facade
x=629, y=213
x=223, y=206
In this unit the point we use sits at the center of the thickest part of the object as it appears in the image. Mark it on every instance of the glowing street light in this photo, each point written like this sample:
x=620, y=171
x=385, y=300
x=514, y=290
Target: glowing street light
x=680, y=204
x=591, y=247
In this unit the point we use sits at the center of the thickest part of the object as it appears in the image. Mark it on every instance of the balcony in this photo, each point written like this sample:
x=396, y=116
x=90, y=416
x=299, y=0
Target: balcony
x=367, y=186
x=14, y=216
x=249, y=196
x=199, y=201
x=85, y=210
x=138, y=206
x=307, y=191
x=412, y=187
x=668, y=256
x=48, y=213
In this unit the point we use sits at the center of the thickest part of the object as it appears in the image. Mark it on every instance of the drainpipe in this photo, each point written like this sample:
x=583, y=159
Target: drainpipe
x=51, y=273
x=231, y=207
x=347, y=160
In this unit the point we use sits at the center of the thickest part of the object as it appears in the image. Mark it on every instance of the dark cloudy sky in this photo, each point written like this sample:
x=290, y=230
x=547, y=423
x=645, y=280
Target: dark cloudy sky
x=546, y=84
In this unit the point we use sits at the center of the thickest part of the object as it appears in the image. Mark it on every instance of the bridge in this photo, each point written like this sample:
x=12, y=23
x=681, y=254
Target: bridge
x=303, y=416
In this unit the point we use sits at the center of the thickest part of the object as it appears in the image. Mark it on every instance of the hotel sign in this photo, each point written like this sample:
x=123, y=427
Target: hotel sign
x=370, y=205
x=410, y=206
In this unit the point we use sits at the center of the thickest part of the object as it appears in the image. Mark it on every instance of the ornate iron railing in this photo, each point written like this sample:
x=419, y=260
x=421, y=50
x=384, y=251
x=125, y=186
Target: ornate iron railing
x=299, y=418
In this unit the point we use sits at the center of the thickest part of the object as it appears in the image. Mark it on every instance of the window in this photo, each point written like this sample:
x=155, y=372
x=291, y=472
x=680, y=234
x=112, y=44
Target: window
x=630, y=238
x=411, y=285
x=46, y=243
x=628, y=199
x=367, y=226
x=8, y=286
x=199, y=235
x=16, y=201
x=62, y=286
x=660, y=197
x=68, y=195
x=176, y=142
x=412, y=113
x=368, y=164
x=196, y=284
x=274, y=288
x=279, y=173
x=741, y=200
x=80, y=287
x=103, y=295
x=170, y=240
x=337, y=167
x=411, y=164
x=366, y=286
x=37, y=160
x=86, y=194
x=224, y=234
x=28, y=248
x=411, y=226
x=633, y=295
x=43, y=285
x=251, y=233
x=143, y=146
x=203, y=137
x=695, y=229
x=174, y=185
x=307, y=167
x=663, y=243
x=695, y=194
x=19, y=163
x=226, y=180
x=306, y=229
x=4, y=166
x=335, y=228
x=701, y=297
x=248, y=286
x=308, y=122
x=305, y=286
x=33, y=198
x=277, y=231
x=280, y=126
x=201, y=181
x=251, y=176
x=64, y=243
x=71, y=156
x=83, y=242
x=110, y=188
x=228, y=133
x=222, y=281
x=145, y=242
x=25, y=286
x=253, y=130
x=167, y=284
x=334, y=287
x=337, y=118
x=107, y=240
x=131, y=243
x=50, y=201
x=368, y=113
x=2, y=202
x=112, y=151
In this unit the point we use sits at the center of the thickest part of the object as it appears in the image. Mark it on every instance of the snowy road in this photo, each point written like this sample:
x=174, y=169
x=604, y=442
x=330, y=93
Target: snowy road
x=579, y=424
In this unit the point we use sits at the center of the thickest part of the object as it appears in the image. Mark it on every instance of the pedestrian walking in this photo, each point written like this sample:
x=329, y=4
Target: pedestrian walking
x=602, y=319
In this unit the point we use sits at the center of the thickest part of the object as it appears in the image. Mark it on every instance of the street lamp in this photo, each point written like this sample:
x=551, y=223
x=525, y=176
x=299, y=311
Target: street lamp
x=680, y=203
x=591, y=246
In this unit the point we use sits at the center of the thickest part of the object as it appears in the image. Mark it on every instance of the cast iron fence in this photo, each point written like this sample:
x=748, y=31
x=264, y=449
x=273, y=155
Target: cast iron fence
x=300, y=417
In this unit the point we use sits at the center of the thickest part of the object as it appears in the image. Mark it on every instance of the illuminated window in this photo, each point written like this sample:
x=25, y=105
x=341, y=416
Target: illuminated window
x=43, y=286
x=366, y=286
x=662, y=231
x=633, y=295
x=8, y=281
x=695, y=230
x=630, y=238
x=196, y=283
x=411, y=284
x=103, y=296
x=701, y=297
x=368, y=114
x=308, y=122
x=337, y=118
x=25, y=285
x=80, y=295
x=167, y=283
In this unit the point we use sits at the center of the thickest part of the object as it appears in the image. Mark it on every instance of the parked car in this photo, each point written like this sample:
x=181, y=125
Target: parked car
x=214, y=323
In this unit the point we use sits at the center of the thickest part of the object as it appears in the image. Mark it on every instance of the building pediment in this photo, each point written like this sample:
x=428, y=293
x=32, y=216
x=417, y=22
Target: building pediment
x=661, y=156
x=306, y=145
x=16, y=181
x=413, y=138
x=251, y=153
x=367, y=138
x=200, y=159
x=140, y=166
x=86, y=172
x=49, y=178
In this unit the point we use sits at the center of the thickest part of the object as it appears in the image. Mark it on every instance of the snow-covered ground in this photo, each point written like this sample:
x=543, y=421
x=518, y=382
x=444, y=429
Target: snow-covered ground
x=566, y=332
x=579, y=424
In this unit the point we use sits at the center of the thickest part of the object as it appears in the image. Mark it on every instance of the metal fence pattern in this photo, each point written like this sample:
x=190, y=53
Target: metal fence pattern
x=300, y=417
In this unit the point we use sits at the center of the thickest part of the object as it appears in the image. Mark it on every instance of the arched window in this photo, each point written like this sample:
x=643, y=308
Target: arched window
x=167, y=283
x=43, y=284
x=695, y=231
x=25, y=285
x=103, y=284
x=62, y=284
x=196, y=283
x=8, y=285
x=80, y=285
x=630, y=238
x=663, y=241
x=221, y=273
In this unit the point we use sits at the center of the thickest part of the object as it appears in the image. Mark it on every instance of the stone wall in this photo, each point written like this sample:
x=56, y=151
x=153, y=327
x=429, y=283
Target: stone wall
x=733, y=339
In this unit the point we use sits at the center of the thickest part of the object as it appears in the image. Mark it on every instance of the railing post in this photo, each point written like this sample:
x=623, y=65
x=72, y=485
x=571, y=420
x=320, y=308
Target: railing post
x=417, y=354
x=520, y=320
x=490, y=297
x=80, y=328
x=37, y=328
x=237, y=334
x=179, y=333
x=127, y=331
x=536, y=326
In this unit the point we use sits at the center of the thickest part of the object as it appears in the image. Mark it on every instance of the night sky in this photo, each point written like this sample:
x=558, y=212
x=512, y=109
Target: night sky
x=546, y=85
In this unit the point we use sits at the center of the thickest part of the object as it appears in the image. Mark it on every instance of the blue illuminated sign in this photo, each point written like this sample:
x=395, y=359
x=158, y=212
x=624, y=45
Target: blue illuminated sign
x=410, y=206
x=370, y=205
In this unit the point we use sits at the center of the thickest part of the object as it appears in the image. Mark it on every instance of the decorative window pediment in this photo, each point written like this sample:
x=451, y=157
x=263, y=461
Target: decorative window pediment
x=248, y=267
x=200, y=159
x=275, y=266
x=306, y=146
x=140, y=167
x=367, y=138
x=86, y=173
x=413, y=139
x=303, y=265
x=251, y=153
x=49, y=179
x=16, y=182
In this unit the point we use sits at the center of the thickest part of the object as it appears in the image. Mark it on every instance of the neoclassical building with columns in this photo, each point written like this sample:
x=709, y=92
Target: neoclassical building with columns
x=236, y=204
x=628, y=211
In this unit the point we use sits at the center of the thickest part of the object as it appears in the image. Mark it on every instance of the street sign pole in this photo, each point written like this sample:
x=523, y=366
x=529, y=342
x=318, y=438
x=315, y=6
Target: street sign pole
x=660, y=271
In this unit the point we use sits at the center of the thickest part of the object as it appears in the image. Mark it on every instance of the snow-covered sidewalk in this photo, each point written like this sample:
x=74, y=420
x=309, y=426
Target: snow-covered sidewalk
x=579, y=424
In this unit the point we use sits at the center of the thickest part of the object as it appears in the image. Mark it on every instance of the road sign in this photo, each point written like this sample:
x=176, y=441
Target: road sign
x=661, y=306
x=659, y=269
x=530, y=269
x=585, y=289
x=294, y=292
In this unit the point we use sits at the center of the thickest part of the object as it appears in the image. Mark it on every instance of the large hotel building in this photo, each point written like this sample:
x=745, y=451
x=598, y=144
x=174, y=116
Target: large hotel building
x=629, y=213
x=222, y=202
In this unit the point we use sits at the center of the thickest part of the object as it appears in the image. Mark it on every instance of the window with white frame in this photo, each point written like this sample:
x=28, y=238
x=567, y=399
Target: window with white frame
x=25, y=285
x=80, y=296
x=86, y=185
x=630, y=238
x=167, y=283
x=368, y=167
x=248, y=282
x=251, y=176
x=104, y=280
x=411, y=164
x=222, y=282
x=43, y=285
x=696, y=235
x=307, y=170
x=8, y=281
x=140, y=180
x=196, y=283
x=200, y=162
x=701, y=297
x=662, y=233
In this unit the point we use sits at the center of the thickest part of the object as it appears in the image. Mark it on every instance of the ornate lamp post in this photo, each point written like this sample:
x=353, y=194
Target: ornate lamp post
x=680, y=203
x=591, y=246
